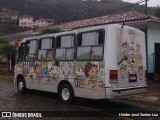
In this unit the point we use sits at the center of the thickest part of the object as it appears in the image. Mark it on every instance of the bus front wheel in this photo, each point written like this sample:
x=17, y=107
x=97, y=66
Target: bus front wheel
x=66, y=94
x=21, y=86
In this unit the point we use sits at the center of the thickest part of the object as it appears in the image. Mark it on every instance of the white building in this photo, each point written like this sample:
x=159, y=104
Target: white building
x=93, y=0
x=43, y=23
x=26, y=21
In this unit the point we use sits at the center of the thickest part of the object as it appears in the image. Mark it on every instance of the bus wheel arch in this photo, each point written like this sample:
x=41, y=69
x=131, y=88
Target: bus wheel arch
x=65, y=91
x=21, y=84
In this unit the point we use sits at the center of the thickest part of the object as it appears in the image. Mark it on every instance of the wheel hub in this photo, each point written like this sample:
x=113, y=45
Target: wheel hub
x=20, y=86
x=65, y=94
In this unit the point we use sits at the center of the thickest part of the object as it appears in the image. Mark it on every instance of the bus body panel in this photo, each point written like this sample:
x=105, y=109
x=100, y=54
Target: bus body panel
x=129, y=53
x=89, y=79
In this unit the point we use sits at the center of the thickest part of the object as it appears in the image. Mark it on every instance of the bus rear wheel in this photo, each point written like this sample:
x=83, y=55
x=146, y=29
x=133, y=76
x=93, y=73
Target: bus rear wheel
x=21, y=86
x=66, y=94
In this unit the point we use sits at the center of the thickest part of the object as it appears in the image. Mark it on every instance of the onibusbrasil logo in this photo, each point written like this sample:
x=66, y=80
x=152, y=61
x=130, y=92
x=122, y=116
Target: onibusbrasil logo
x=21, y=114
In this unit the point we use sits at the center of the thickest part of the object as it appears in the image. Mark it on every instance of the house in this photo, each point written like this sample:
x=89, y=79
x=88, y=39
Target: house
x=145, y=22
x=92, y=0
x=43, y=23
x=7, y=17
x=26, y=21
x=29, y=22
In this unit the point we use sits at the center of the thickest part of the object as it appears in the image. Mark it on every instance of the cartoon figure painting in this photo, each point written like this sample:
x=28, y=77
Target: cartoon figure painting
x=66, y=70
x=38, y=71
x=125, y=49
x=18, y=70
x=55, y=70
x=31, y=73
x=123, y=72
x=49, y=55
x=79, y=73
x=91, y=71
x=140, y=71
x=45, y=71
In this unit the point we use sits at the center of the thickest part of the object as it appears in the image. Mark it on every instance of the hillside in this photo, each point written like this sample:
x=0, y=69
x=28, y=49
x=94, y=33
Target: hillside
x=66, y=10
x=61, y=10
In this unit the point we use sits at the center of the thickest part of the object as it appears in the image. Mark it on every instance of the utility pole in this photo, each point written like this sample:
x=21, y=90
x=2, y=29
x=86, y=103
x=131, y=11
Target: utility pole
x=146, y=6
x=146, y=34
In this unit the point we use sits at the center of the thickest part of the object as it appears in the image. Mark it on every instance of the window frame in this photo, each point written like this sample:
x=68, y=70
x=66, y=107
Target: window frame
x=52, y=48
x=74, y=47
x=98, y=30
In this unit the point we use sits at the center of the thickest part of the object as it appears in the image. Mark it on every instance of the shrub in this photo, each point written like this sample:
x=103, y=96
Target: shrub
x=50, y=31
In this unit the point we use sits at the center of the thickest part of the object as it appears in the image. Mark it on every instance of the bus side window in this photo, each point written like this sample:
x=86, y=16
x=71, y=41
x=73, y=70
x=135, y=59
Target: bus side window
x=46, y=49
x=30, y=50
x=65, y=47
x=90, y=45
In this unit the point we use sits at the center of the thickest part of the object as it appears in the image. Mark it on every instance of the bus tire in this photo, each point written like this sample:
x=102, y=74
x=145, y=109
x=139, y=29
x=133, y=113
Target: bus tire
x=21, y=86
x=66, y=94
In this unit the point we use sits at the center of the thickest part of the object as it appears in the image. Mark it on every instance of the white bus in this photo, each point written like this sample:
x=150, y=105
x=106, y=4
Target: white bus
x=101, y=62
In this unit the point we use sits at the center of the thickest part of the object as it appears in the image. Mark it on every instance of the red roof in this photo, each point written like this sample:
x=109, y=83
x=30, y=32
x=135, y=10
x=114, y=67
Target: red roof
x=115, y=18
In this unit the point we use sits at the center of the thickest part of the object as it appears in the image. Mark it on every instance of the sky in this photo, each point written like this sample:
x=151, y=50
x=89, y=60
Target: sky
x=151, y=3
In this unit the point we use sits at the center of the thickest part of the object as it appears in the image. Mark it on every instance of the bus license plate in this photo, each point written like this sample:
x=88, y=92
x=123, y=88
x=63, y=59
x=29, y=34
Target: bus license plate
x=132, y=78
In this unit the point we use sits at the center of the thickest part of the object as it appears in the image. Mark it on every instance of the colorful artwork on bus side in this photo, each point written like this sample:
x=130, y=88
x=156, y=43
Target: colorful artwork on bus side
x=54, y=71
x=82, y=74
x=131, y=62
x=19, y=68
x=89, y=74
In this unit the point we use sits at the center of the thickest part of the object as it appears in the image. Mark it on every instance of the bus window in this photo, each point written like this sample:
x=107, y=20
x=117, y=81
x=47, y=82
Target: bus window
x=90, y=45
x=46, y=49
x=32, y=47
x=65, y=47
x=30, y=50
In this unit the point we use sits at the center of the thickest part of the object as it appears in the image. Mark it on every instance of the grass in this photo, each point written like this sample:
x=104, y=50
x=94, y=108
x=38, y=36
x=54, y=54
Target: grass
x=2, y=34
x=6, y=75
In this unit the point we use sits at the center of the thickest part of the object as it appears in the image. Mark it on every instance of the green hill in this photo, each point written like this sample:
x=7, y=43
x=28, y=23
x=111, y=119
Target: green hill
x=67, y=10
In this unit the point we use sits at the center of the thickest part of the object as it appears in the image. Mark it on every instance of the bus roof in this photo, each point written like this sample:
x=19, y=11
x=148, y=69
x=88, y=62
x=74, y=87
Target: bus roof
x=74, y=31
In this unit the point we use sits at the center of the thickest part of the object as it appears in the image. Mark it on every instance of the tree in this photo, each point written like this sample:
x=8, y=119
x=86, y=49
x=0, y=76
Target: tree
x=50, y=31
x=157, y=11
x=7, y=51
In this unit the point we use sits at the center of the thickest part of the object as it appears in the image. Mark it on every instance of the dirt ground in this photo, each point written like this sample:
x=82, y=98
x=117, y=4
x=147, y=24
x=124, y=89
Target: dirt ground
x=151, y=96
